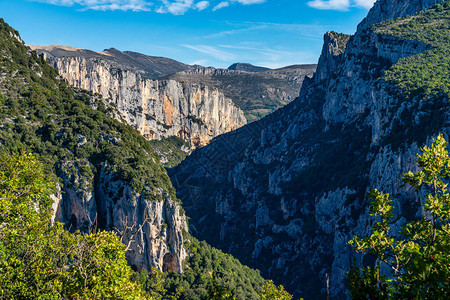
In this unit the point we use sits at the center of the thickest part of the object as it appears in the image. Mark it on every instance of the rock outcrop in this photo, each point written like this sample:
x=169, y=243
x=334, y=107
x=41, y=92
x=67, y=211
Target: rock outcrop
x=156, y=108
x=288, y=192
x=151, y=229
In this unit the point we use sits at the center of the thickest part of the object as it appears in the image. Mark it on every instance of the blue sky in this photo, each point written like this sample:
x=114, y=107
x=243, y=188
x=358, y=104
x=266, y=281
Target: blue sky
x=217, y=33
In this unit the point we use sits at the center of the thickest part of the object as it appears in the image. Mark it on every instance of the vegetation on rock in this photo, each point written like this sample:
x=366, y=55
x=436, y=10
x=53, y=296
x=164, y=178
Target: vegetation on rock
x=42, y=114
x=418, y=256
x=425, y=74
x=171, y=150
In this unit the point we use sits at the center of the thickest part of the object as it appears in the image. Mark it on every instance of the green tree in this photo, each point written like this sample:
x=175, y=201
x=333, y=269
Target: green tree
x=418, y=255
x=273, y=292
x=39, y=260
x=218, y=291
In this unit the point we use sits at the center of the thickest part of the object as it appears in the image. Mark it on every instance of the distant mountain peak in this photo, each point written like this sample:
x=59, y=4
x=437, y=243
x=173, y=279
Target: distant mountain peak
x=246, y=67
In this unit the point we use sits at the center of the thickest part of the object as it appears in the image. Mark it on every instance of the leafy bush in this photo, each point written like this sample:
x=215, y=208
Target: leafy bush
x=419, y=255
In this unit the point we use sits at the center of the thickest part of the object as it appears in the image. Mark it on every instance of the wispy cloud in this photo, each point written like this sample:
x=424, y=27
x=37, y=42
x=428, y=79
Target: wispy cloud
x=213, y=51
x=365, y=3
x=257, y=54
x=175, y=7
x=124, y=5
x=305, y=30
x=341, y=5
x=245, y=2
x=272, y=55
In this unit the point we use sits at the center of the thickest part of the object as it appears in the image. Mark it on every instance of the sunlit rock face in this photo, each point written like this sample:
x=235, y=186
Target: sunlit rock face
x=157, y=108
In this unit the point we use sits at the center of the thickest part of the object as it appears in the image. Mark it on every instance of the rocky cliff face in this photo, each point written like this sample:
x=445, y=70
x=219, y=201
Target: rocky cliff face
x=257, y=92
x=156, y=108
x=288, y=192
x=153, y=230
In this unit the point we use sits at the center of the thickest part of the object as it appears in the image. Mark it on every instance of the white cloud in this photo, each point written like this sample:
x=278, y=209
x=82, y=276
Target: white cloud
x=124, y=5
x=212, y=51
x=330, y=4
x=221, y=5
x=246, y=2
x=341, y=5
x=175, y=7
x=202, y=5
x=305, y=30
x=365, y=3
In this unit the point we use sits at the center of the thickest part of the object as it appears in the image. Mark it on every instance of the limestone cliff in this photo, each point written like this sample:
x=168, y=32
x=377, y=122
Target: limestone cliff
x=153, y=230
x=156, y=108
x=257, y=92
x=289, y=191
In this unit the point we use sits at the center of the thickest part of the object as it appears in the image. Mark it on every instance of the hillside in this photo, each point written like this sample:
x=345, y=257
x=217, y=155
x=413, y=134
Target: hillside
x=108, y=177
x=287, y=193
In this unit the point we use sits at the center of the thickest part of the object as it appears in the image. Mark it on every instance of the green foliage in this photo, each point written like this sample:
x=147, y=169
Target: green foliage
x=43, y=261
x=173, y=149
x=419, y=255
x=209, y=274
x=272, y=292
x=425, y=74
x=99, y=269
x=152, y=282
x=367, y=283
x=74, y=135
x=218, y=292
